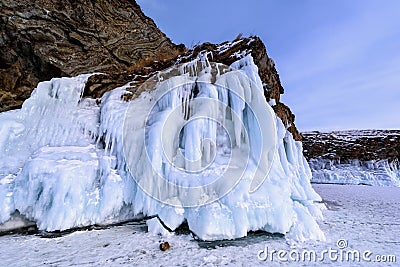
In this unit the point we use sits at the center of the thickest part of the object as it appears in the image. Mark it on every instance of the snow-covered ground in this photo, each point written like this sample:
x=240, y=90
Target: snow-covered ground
x=364, y=217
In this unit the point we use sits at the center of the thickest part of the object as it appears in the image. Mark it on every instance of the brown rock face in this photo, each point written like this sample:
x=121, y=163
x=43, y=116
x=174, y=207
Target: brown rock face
x=44, y=39
x=287, y=117
x=346, y=146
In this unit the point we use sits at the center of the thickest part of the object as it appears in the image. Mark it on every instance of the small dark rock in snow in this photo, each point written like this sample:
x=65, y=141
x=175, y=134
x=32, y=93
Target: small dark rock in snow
x=164, y=246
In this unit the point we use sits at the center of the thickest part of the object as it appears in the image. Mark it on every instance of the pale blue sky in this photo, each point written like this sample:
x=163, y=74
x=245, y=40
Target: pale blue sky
x=339, y=61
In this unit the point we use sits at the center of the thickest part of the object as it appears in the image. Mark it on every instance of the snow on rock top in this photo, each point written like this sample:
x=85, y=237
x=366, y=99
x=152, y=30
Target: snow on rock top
x=202, y=147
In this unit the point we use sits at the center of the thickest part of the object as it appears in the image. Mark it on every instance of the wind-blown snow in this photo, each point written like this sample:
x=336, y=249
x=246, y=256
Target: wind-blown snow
x=68, y=162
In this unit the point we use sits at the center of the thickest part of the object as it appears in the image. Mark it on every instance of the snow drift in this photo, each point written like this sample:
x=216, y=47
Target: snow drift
x=201, y=145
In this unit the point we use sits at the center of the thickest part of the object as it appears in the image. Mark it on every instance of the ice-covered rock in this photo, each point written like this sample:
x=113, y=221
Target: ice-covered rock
x=372, y=172
x=202, y=146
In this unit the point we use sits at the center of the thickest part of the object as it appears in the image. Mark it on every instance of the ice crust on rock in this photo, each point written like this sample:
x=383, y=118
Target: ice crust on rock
x=372, y=172
x=68, y=162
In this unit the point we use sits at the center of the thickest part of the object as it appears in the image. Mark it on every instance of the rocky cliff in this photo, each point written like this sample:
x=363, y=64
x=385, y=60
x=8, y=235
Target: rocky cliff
x=44, y=39
x=363, y=145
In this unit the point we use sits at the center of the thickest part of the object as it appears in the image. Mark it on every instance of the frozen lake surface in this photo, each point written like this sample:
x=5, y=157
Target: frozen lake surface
x=360, y=219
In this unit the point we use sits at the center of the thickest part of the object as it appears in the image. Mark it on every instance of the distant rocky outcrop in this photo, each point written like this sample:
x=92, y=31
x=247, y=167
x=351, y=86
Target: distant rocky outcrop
x=44, y=39
x=359, y=156
x=363, y=145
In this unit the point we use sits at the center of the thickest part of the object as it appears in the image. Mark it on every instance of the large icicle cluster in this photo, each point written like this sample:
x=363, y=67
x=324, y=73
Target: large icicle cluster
x=192, y=149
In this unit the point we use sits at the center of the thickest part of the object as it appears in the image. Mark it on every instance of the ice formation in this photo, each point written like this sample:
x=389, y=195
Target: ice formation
x=372, y=172
x=191, y=149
